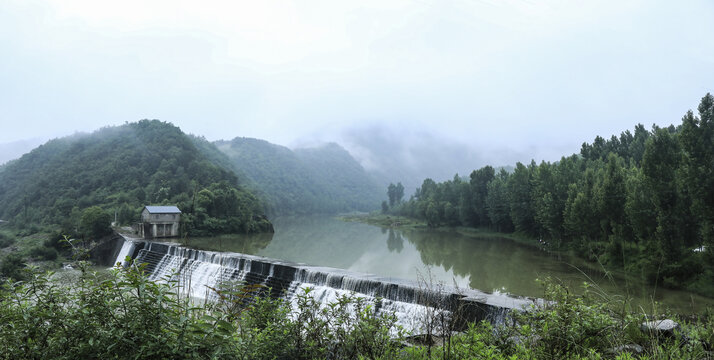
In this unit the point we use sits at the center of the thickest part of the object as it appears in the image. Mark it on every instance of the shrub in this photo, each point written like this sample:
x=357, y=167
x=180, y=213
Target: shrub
x=11, y=267
x=95, y=223
x=6, y=240
x=43, y=253
x=122, y=316
x=125, y=315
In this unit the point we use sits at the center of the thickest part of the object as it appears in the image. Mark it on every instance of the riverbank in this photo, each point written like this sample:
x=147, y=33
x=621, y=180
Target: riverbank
x=406, y=223
x=384, y=220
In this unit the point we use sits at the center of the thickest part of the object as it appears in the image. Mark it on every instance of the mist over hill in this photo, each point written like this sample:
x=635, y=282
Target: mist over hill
x=408, y=156
x=323, y=179
x=15, y=149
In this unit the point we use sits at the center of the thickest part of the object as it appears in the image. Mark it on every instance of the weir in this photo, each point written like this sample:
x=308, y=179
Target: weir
x=198, y=271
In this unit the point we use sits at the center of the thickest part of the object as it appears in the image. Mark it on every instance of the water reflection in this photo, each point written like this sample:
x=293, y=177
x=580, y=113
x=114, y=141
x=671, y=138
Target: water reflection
x=492, y=263
x=503, y=265
x=488, y=264
x=395, y=241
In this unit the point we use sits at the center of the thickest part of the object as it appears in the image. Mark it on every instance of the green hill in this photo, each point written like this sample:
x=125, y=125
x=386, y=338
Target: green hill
x=323, y=180
x=123, y=168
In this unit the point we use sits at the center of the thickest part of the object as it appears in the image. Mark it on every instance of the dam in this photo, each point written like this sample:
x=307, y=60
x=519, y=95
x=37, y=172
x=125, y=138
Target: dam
x=198, y=272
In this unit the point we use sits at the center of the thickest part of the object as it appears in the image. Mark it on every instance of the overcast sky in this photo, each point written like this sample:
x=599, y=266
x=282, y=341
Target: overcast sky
x=533, y=79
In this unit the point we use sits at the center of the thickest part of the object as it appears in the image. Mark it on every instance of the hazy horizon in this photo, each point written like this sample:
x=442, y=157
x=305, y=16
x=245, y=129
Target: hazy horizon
x=479, y=82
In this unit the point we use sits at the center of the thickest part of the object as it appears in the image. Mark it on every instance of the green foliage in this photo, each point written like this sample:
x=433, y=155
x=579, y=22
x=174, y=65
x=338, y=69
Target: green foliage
x=120, y=170
x=395, y=193
x=123, y=315
x=11, y=266
x=58, y=241
x=697, y=139
x=221, y=208
x=319, y=180
x=641, y=202
x=497, y=206
x=6, y=240
x=95, y=223
x=385, y=207
x=345, y=329
x=43, y=253
x=479, y=191
x=520, y=188
x=568, y=326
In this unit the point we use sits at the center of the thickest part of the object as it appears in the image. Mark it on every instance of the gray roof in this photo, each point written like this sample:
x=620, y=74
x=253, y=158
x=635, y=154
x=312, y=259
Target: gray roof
x=163, y=210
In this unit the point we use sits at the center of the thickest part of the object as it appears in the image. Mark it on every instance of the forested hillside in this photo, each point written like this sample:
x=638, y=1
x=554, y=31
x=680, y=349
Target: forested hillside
x=643, y=201
x=305, y=181
x=123, y=168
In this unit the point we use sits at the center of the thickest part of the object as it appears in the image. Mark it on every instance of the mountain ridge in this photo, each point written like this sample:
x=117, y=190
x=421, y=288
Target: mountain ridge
x=323, y=179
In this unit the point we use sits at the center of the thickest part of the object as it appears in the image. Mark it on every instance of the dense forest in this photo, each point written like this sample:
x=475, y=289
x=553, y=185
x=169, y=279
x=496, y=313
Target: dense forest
x=642, y=202
x=123, y=168
x=319, y=180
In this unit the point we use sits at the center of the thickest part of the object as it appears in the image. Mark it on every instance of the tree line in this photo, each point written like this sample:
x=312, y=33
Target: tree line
x=643, y=201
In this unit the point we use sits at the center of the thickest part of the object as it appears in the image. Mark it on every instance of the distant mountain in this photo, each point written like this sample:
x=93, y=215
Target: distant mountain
x=410, y=155
x=123, y=168
x=324, y=179
x=13, y=150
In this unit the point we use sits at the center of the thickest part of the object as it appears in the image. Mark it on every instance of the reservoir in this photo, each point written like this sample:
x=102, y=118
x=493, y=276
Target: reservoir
x=434, y=257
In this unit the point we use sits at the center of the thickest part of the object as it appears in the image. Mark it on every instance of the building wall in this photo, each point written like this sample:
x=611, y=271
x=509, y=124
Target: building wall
x=147, y=217
x=159, y=225
x=156, y=230
x=164, y=230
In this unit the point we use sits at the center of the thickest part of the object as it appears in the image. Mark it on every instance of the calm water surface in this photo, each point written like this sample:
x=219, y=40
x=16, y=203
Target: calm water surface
x=484, y=263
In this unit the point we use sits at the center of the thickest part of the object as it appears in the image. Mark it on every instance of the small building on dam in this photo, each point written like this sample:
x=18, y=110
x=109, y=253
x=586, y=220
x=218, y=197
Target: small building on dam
x=159, y=222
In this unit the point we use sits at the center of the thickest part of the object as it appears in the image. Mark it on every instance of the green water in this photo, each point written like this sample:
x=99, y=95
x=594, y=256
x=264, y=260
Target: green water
x=484, y=263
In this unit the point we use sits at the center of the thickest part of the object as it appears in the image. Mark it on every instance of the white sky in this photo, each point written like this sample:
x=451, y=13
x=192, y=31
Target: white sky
x=535, y=77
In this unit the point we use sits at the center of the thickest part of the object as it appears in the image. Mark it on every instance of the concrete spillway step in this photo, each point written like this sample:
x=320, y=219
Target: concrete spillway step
x=151, y=259
x=205, y=270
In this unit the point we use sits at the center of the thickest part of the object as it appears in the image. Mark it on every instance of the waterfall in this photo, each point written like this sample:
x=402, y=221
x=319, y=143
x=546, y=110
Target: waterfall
x=127, y=249
x=199, y=271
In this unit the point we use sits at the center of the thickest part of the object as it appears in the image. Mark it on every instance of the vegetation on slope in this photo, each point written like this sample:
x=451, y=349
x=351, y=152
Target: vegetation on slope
x=320, y=180
x=643, y=201
x=121, y=169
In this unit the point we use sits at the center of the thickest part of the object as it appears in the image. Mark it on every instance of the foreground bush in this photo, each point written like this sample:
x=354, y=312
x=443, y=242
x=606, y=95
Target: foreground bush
x=569, y=326
x=123, y=315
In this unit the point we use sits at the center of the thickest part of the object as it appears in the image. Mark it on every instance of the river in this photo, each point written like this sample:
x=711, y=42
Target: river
x=489, y=264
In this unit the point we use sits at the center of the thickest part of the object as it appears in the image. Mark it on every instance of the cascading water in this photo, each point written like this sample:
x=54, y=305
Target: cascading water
x=127, y=249
x=198, y=272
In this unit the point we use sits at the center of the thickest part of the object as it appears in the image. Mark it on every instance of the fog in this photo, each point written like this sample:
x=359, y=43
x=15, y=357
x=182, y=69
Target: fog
x=411, y=155
x=410, y=88
x=15, y=149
